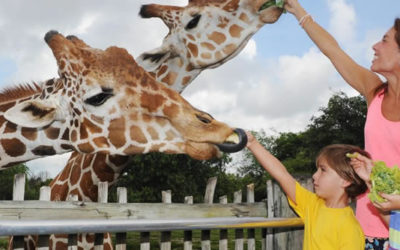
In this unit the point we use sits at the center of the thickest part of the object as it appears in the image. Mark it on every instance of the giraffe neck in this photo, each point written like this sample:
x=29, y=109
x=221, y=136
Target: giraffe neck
x=175, y=73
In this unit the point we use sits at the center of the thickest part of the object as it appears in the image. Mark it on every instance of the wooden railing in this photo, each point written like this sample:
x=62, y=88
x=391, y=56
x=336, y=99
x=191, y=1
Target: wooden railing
x=19, y=218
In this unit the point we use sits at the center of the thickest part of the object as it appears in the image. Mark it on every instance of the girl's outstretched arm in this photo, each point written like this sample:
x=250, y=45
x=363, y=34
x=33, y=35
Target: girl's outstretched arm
x=273, y=166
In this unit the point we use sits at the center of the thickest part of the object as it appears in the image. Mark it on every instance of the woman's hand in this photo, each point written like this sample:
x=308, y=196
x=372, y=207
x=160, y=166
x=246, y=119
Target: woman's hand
x=392, y=202
x=362, y=166
x=294, y=7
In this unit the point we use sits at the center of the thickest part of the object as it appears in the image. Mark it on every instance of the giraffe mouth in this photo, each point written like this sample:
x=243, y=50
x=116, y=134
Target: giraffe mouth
x=235, y=142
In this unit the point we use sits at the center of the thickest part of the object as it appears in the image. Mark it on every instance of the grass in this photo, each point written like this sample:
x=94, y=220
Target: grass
x=133, y=240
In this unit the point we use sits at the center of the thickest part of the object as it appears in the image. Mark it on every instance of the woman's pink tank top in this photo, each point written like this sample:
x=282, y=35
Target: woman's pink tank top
x=382, y=141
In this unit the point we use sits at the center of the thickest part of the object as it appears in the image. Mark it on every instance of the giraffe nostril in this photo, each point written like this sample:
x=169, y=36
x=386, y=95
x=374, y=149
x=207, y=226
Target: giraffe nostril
x=203, y=119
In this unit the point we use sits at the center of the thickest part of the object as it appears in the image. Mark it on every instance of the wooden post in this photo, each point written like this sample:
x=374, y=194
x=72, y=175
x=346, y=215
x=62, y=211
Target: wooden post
x=269, y=234
x=166, y=236
x=237, y=198
x=208, y=199
x=73, y=238
x=210, y=190
x=19, y=187
x=251, y=232
x=120, y=238
x=188, y=235
x=223, y=233
x=103, y=198
x=144, y=240
x=18, y=195
x=43, y=241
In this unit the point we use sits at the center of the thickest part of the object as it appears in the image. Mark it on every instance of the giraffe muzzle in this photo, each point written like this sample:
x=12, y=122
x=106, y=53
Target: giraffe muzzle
x=235, y=142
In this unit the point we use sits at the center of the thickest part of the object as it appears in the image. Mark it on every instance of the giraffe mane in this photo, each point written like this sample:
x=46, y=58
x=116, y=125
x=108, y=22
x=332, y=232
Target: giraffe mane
x=19, y=91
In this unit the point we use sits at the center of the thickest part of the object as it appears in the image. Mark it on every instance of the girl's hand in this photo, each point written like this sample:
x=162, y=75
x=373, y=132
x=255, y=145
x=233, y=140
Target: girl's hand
x=250, y=139
x=392, y=202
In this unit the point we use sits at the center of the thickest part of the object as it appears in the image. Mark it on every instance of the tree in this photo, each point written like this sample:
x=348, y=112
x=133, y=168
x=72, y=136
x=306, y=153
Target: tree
x=341, y=121
x=7, y=180
x=151, y=173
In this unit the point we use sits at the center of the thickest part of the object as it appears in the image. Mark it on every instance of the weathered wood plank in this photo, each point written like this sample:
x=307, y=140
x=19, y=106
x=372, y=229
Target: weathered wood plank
x=43, y=210
x=120, y=238
x=251, y=239
x=165, y=243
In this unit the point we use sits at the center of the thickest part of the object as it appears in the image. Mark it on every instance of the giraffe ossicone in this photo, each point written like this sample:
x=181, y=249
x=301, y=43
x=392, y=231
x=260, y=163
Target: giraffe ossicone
x=104, y=102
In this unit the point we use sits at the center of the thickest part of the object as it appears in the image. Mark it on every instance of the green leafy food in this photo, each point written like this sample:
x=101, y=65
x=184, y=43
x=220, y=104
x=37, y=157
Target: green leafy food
x=384, y=180
x=350, y=155
x=277, y=3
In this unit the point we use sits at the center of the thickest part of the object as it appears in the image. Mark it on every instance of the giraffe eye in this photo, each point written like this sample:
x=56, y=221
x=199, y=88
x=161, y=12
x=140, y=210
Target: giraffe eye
x=193, y=23
x=101, y=98
x=203, y=119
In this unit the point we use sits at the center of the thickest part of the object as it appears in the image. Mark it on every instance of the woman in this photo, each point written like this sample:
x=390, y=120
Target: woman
x=382, y=127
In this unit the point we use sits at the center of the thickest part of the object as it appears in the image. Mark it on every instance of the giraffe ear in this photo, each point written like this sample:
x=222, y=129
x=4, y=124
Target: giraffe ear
x=151, y=60
x=32, y=113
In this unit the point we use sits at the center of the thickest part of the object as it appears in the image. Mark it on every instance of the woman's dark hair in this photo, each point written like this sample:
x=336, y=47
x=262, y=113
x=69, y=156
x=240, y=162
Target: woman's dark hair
x=396, y=27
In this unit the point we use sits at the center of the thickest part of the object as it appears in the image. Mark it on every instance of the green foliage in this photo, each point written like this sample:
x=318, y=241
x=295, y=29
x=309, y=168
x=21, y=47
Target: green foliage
x=384, y=180
x=151, y=173
x=342, y=121
x=32, y=186
x=7, y=180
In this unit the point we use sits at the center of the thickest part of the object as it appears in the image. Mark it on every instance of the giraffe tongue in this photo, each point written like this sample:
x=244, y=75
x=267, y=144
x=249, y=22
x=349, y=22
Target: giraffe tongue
x=235, y=142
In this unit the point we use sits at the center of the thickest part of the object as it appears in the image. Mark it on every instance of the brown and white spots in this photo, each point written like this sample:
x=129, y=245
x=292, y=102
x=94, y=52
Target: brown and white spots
x=208, y=46
x=152, y=102
x=191, y=37
x=206, y=55
x=170, y=78
x=53, y=133
x=235, y=31
x=244, y=17
x=153, y=133
x=217, y=37
x=193, y=49
x=171, y=110
x=137, y=134
x=223, y=22
x=13, y=147
x=229, y=49
x=29, y=133
x=85, y=147
x=117, y=132
x=44, y=150
x=134, y=150
x=101, y=142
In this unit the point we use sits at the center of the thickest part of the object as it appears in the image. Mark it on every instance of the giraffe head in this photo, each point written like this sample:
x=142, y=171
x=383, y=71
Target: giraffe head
x=105, y=102
x=206, y=33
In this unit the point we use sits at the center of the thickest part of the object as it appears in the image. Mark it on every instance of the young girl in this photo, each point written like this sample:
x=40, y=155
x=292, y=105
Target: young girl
x=329, y=222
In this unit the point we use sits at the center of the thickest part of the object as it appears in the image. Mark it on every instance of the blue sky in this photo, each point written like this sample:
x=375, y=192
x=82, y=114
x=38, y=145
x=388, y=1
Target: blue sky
x=276, y=83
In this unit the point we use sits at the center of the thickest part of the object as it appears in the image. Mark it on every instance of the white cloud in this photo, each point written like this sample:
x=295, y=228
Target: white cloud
x=343, y=20
x=52, y=164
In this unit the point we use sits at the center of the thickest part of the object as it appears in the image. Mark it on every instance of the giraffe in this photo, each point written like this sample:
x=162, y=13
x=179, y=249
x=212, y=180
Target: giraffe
x=102, y=102
x=222, y=33
x=159, y=118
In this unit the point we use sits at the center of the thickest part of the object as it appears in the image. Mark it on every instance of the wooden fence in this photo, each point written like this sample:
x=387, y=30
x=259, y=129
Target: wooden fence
x=274, y=220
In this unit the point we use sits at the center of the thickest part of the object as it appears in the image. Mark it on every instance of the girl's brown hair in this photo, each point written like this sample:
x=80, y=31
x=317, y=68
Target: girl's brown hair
x=335, y=156
x=396, y=27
